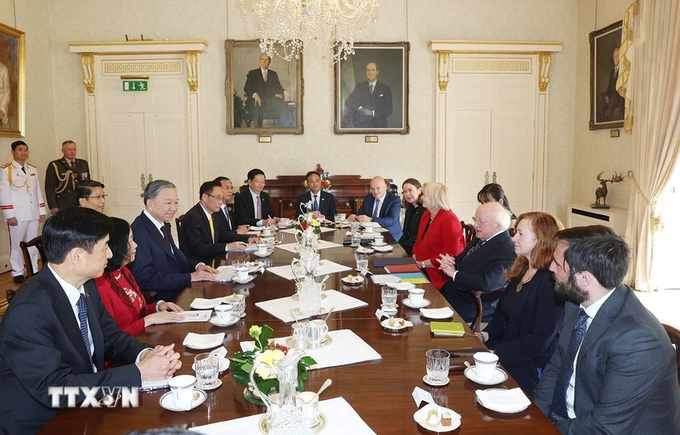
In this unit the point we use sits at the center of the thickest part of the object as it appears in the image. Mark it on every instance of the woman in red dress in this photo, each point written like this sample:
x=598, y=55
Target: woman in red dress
x=439, y=232
x=120, y=293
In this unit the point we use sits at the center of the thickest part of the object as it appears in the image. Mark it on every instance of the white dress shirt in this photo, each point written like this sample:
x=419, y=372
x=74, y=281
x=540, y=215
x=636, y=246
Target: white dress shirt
x=591, y=311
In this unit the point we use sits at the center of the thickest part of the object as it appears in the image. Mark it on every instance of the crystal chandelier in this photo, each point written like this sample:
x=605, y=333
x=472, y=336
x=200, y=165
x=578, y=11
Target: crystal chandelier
x=286, y=26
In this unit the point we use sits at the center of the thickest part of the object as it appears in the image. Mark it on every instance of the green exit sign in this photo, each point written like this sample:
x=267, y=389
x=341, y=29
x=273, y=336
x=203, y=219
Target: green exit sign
x=135, y=85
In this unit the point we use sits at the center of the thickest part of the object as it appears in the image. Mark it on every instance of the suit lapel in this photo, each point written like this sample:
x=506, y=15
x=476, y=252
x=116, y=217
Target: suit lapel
x=156, y=236
x=484, y=249
x=64, y=311
x=602, y=320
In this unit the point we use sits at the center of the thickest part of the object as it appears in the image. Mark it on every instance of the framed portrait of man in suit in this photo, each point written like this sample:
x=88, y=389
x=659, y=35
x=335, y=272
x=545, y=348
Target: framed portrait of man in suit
x=12, y=81
x=371, y=89
x=264, y=94
x=607, y=106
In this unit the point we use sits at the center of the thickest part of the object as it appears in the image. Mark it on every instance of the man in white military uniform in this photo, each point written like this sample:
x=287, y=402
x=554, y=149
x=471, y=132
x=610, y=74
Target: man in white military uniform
x=22, y=205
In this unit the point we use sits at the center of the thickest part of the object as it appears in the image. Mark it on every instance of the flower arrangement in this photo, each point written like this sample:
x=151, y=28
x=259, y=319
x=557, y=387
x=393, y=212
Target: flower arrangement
x=267, y=352
x=307, y=221
x=325, y=181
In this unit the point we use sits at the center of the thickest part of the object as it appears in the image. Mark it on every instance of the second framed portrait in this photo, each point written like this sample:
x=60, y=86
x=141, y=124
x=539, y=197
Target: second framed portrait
x=607, y=107
x=12, y=81
x=264, y=94
x=371, y=89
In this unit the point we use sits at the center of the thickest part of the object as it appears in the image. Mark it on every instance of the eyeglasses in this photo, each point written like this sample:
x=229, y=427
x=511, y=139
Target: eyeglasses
x=217, y=197
x=98, y=196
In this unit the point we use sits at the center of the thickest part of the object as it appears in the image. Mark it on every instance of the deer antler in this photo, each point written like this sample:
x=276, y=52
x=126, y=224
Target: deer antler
x=616, y=178
x=599, y=175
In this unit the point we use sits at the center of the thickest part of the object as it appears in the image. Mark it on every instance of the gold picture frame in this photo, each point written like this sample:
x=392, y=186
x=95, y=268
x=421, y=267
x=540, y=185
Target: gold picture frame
x=386, y=108
x=12, y=81
x=607, y=108
x=278, y=112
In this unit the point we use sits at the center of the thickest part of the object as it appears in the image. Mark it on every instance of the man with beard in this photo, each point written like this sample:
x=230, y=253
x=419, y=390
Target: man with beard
x=614, y=369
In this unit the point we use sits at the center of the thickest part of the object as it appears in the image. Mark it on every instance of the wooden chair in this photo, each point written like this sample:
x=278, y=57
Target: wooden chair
x=35, y=243
x=178, y=224
x=468, y=231
x=674, y=335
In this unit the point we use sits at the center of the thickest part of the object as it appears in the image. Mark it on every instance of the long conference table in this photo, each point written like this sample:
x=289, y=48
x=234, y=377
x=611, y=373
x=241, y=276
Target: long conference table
x=379, y=391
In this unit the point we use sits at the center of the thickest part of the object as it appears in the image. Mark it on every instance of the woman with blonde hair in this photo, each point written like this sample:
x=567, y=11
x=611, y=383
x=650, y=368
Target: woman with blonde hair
x=524, y=329
x=439, y=232
x=412, y=193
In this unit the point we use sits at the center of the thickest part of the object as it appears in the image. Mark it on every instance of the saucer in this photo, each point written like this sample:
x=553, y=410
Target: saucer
x=498, y=377
x=386, y=324
x=423, y=304
x=502, y=411
x=166, y=401
x=435, y=384
x=247, y=280
x=386, y=248
x=266, y=254
x=376, y=244
x=363, y=250
x=401, y=286
x=356, y=280
x=217, y=385
x=232, y=320
x=421, y=418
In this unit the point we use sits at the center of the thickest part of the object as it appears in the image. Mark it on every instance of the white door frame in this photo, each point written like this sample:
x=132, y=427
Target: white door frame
x=481, y=57
x=138, y=65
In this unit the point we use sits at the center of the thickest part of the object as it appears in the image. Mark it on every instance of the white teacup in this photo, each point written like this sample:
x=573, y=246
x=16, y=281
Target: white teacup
x=379, y=239
x=368, y=229
x=415, y=296
x=261, y=248
x=485, y=365
x=224, y=312
x=284, y=222
x=182, y=388
x=242, y=273
x=316, y=331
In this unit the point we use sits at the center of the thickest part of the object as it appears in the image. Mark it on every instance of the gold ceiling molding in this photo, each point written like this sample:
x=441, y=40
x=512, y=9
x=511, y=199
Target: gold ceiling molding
x=87, y=63
x=135, y=43
x=117, y=68
x=475, y=42
x=544, y=62
x=492, y=65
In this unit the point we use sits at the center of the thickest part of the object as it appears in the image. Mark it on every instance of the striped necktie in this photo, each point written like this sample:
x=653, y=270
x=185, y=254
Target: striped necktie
x=82, y=317
x=315, y=206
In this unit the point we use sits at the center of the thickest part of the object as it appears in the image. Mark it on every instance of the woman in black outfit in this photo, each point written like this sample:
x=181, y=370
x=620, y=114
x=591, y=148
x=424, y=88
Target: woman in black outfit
x=412, y=201
x=524, y=329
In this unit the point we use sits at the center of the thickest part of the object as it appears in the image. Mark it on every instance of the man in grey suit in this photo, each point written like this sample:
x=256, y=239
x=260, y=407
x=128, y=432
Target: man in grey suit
x=614, y=370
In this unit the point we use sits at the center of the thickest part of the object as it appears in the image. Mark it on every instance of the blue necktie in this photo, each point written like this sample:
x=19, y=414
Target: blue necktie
x=82, y=317
x=376, y=208
x=226, y=212
x=558, y=410
x=315, y=206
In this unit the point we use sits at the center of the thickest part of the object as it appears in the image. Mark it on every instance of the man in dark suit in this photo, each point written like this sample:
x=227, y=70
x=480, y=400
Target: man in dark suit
x=224, y=215
x=481, y=265
x=159, y=265
x=62, y=178
x=253, y=207
x=380, y=206
x=263, y=91
x=203, y=237
x=323, y=203
x=370, y=103
x=614, y=369
x=613, y=101
x=57, y=332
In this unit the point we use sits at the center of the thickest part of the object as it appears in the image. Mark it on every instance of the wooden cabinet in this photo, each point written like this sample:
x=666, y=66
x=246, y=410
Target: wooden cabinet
x=348, y=190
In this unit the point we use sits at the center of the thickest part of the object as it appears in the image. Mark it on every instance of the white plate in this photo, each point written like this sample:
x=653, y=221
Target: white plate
x=401, y=286
x=232, y=321
x=224, y=365
x=435, y=384
x=421, y=418
x=386, y=324
x=387, y=248
x=520, y=408
x=203, y=341
x=364, y=250
x=266, y=254
x=217, y=385
x=376, y=244
x=356, y=281
x=423, y=304
x=498, y=378
x=436, y=313
x=236, y=280
x=255, y=228
x=166, y=401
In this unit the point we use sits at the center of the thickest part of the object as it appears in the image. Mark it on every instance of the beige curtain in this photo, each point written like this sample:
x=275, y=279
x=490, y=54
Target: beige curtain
x=656, y=129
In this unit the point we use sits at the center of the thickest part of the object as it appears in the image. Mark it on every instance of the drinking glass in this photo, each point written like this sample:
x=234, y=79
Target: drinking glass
x=356, y=238
x=355, y=226
x=389, y=297
x=238, y=303
x=362, y=261
x=206, y=367
x=437, y=365
x=270, y=243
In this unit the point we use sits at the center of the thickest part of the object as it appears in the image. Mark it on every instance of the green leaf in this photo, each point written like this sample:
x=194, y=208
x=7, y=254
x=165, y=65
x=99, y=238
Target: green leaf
x=307, y=361
x=241, y=378
x=246, y=367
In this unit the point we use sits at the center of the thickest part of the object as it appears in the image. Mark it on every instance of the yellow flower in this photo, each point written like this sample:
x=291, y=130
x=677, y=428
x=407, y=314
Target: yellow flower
x=255, y=331
x=315, y=223
x=267, y=370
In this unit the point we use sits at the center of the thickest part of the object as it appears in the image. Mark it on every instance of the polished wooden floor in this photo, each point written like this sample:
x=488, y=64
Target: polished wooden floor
x=6, y=283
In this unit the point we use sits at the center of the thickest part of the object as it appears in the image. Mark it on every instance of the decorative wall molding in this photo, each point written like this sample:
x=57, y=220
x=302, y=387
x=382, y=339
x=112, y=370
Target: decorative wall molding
x=517, y=66
x=118, y=67
x=544, y=62
x=87, y=62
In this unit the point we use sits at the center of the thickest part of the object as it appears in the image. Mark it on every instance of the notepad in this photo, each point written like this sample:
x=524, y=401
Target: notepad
x=402, y=268
x=447, y=329
x=415, y=278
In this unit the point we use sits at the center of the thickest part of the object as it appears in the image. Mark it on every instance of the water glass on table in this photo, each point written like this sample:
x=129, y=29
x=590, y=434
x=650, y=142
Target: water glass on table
x=437, y=365
x=206, y=367
x=389, y=297
x=238, y=303
x=356, y=239
x=362, y=261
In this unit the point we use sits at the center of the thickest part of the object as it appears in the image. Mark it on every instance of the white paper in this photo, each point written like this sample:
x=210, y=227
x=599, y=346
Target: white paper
x=342, y=419
x=420, y=396
x=203, y=340
x=384, y=279
x=195, y=316
x=320, y=244
x=326, y=267
x=206, y=304
x=500, y=400
x=345, y=348
x=282, y=308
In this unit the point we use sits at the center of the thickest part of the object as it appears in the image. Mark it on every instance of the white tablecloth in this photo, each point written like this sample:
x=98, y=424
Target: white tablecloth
x=345, y=349
x=342, y=419
x=326, y=267
x=282, y=307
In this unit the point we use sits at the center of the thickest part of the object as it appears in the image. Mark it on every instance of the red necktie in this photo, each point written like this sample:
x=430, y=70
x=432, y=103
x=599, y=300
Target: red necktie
x=166, y=236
